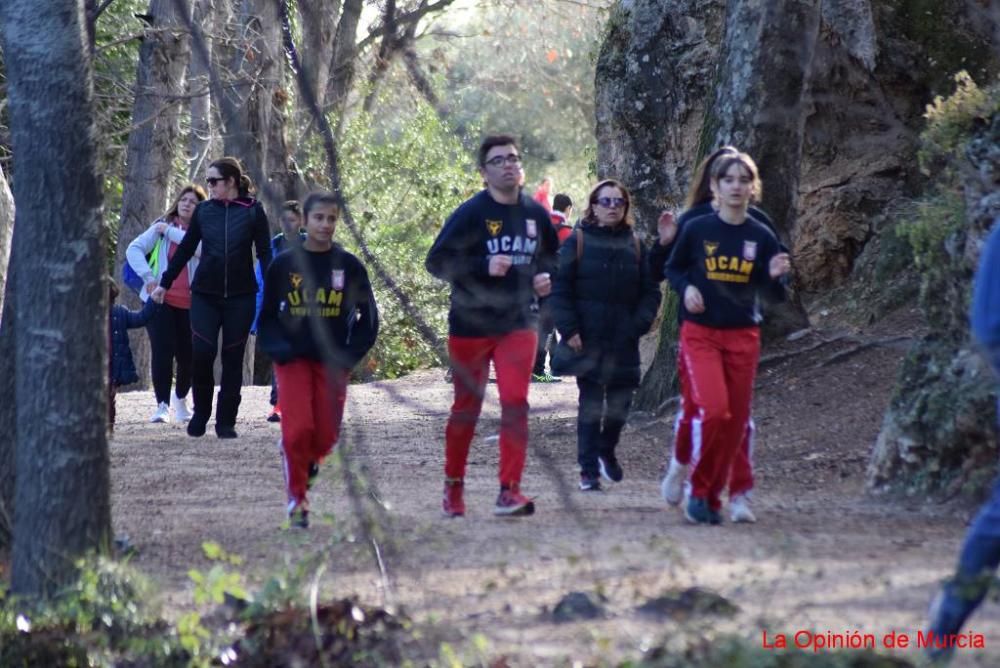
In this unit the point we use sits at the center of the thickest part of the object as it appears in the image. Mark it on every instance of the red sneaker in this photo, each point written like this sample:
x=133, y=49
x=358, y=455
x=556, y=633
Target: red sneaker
x=453, y=503
x=512, y=503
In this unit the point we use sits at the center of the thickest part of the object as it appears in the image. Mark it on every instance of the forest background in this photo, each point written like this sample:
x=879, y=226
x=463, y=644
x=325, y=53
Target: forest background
x=878, y=149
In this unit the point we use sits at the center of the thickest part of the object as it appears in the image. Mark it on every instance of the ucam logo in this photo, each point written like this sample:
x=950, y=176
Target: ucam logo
x=508, y=244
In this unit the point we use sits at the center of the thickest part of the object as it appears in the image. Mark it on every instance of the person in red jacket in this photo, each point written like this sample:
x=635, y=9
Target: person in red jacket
x=721, y=264
x=544, y=193
x=498, y=252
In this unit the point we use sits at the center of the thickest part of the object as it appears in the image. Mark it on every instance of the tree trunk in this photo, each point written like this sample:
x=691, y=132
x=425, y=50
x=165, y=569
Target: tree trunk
x=251, y=130
x=318, y=19
x=342, y=66
x=198, y=86
x=152, y=145
x=63, y=508
x=767, y=54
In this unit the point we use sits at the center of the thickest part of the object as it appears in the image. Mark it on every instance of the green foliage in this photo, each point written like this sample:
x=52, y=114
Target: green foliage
x=950, y=121
x=105, y=618
x=528, y=69
x=213, y=586
x=402, y=182
x=935, y=226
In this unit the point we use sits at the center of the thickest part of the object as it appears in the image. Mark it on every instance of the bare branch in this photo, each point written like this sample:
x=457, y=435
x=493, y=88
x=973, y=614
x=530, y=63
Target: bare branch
x=406, y=18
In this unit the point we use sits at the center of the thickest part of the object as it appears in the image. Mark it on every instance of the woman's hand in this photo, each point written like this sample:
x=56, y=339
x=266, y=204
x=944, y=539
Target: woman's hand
x=157, y=295
x=151, y=286
x=780, y=265
x=575, y=342
x=666, y=227
x=161, y=228
x=543, y=284
x=693, y=301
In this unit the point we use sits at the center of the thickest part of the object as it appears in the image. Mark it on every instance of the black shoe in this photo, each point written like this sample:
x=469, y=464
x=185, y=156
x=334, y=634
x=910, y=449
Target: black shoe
x=589, y=483
x=224, y=431
x=698, y=512
x=313, y=474
x=197, y=424
x=298, y=516
x=610, y=468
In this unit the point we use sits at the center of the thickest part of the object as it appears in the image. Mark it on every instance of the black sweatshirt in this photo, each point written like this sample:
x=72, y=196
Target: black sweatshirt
x=659, y=254
x=331, y=287
x=484, y=305
x=227, y=231
x=729, y=264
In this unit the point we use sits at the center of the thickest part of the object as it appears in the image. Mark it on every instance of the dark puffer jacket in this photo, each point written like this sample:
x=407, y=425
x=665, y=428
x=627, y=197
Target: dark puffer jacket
x=227, y=231
x=122, y=365
x=608, y=297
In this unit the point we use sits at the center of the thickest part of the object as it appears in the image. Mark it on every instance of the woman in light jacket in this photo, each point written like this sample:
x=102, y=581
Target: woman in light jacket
x=170, y=328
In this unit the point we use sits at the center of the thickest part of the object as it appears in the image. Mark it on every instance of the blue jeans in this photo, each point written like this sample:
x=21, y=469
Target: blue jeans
x=977, y=565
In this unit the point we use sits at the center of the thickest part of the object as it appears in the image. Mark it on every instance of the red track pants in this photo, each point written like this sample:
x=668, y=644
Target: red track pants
x=721, y=365
x=312, y=408
x=687, y=423
x=513, y=356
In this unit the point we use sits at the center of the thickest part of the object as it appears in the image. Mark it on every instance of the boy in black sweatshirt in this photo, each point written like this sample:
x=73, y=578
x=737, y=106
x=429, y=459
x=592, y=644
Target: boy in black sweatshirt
x=498, y=251
x=317, y=320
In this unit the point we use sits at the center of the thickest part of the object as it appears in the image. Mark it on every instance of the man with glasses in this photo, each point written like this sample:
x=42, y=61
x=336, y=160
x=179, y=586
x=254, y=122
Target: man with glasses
x=498, y=252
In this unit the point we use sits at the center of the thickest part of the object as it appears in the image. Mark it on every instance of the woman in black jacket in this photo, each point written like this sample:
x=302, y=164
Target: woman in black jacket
x=603, y=300
x=223, y=293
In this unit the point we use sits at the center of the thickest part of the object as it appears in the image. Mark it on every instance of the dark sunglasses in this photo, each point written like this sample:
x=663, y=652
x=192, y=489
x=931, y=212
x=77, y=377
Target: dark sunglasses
x=212, y=180
x=610, y=202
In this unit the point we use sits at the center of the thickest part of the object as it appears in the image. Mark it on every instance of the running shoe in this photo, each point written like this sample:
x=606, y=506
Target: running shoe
x=162, y=413
x=453, y=504
x=511, y=503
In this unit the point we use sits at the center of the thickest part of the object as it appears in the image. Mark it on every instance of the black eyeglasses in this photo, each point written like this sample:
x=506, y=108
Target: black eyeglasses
x=512, y=159
x=212, y=180
x=610, y=202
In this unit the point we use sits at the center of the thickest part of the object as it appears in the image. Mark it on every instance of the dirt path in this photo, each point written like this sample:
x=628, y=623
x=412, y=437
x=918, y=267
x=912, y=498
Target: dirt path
x=823, y=556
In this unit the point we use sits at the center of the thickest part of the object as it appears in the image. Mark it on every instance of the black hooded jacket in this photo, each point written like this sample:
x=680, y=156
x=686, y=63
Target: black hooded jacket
x=227, y=231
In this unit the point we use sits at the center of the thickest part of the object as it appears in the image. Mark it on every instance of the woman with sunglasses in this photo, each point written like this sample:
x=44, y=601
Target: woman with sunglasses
x=170, y=327
x=721, y=264
x=223, y=293
x=604, y=298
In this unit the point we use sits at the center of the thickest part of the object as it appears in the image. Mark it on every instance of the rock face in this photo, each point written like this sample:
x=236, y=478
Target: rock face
x=939, y=434
x=876, y=64
x=655, y=73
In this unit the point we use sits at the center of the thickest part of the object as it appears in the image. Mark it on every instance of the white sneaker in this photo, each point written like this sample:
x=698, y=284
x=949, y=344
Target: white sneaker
x=162, y=413
x=181, y=411
x=739, y=509
x=672, y=487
